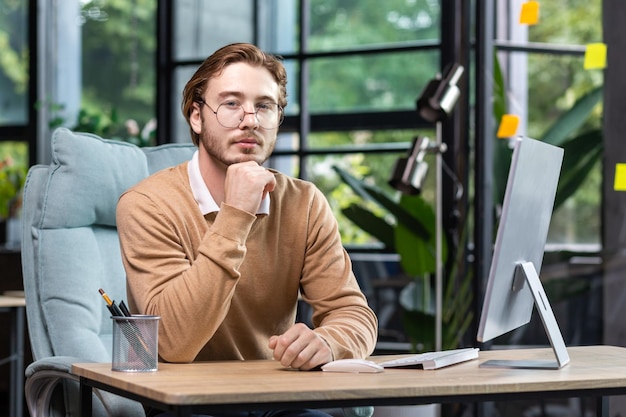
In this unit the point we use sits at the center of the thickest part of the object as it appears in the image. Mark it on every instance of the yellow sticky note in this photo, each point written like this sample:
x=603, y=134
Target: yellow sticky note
x=508, y=126
x=530, y=13
x=595, y=56
x=620, y=177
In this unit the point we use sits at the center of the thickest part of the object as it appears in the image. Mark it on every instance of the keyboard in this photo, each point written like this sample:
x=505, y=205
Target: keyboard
x=433, y=360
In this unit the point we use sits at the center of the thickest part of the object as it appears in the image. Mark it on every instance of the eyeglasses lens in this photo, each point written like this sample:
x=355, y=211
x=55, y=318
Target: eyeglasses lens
x=269, y=116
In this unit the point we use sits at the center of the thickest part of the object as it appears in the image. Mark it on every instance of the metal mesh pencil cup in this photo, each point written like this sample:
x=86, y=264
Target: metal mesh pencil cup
x=135, y=343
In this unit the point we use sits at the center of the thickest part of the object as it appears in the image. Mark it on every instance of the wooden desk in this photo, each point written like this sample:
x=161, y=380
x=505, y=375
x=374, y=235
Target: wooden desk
x=596, y=371
x=15, y=306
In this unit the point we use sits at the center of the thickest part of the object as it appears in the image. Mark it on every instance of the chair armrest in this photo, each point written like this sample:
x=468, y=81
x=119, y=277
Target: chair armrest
x=366, y=411
x=44, y=375
x=54, y=363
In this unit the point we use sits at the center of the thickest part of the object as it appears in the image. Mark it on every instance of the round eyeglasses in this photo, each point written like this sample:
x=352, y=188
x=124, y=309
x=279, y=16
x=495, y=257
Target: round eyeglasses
x=230, y=114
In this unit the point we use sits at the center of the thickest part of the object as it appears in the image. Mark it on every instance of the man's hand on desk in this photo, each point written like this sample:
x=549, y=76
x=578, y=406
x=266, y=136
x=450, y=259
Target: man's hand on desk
x=300, y=348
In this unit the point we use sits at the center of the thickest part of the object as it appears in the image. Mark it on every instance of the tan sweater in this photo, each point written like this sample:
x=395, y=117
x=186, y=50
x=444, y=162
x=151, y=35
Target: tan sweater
x=225, y=282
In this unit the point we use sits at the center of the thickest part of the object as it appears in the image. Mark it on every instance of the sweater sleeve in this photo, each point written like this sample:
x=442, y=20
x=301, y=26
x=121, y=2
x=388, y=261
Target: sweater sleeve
x=191, y=292
x=341, y=314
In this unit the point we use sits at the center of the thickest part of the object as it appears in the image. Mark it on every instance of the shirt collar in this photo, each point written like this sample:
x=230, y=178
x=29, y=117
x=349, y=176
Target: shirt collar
x=203, y=196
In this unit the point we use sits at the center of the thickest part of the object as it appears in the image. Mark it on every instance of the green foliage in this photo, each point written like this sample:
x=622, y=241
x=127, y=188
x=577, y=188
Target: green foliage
x=556, y=81
x=119, y=73
x=374, y=166
x=337, y=24
x=370, y=81
x=411, y=233
x=106, y=124
x=14, y=54
x=14, y=63
x=13, y=168
x=411, y=224
x=415, y=237
x=582, y=151
x=419, y=310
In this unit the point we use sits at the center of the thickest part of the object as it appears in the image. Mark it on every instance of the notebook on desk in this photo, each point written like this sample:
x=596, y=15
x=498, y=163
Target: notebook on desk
x=433, y=360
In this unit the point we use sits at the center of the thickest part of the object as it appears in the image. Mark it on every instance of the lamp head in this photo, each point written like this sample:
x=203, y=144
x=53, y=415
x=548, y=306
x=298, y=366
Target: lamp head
x=410, y=172
x=440, y=95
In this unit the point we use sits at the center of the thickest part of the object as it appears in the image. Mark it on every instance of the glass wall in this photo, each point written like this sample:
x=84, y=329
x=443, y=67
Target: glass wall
x=544, y=77
x=16, y=89
x=355, y=71
x=118, y=93
x=14, y=63
x=544, y=82
x=355, y=68
x=102, y=71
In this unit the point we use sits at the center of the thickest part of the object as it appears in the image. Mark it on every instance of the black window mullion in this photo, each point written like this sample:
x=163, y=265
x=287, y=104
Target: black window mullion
x=165, y=71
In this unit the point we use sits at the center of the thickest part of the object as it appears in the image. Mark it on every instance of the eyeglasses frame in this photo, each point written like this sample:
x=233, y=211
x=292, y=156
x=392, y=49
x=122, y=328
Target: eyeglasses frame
x=201, y=101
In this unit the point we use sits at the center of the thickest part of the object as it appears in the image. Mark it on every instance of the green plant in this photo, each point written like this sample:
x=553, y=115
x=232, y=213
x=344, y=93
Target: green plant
x=407, y=227
x=12, y=177
x=105, y=123
x=582, y=150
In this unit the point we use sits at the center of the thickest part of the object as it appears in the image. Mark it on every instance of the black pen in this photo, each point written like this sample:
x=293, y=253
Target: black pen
x=113, y=308
x=124, y=309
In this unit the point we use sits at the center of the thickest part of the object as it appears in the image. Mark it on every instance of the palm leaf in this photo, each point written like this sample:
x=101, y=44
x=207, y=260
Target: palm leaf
x=372, y=224
x=499, y=95
x=376, y=195
x=581, y=154
x=573, y=118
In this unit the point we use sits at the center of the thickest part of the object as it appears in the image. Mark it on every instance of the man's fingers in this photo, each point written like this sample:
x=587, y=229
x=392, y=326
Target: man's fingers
x=300, y=347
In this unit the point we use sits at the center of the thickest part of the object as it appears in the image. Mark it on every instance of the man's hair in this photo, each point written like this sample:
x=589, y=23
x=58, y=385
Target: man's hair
x=220, y=59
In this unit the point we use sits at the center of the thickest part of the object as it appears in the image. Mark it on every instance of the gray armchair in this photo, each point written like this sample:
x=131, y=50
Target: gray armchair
x=70, y=249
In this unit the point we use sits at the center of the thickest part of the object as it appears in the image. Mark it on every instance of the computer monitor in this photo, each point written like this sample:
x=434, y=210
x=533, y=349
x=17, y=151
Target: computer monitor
x=513, y=287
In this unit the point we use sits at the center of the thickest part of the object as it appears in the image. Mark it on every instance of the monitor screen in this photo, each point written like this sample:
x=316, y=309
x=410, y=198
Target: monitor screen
x=513, y=286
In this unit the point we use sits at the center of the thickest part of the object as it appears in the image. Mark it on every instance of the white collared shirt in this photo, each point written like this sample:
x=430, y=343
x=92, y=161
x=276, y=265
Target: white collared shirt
x=203, y=196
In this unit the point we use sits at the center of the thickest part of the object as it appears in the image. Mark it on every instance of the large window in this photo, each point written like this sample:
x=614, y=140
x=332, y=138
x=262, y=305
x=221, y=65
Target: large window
x=355, y=70
x=101, y=60
x=543, y=68
x=16, y=92
x=14, y=62
x=118, y=67
x=544, y=77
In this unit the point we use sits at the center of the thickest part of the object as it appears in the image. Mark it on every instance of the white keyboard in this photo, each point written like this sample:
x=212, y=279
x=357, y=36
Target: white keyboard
x=433, y=360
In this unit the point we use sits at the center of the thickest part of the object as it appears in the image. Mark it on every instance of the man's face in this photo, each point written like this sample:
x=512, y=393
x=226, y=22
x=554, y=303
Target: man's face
x=239, y=84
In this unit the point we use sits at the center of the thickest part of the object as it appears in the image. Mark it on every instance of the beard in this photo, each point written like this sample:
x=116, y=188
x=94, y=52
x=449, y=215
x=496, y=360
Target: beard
x=221, y=150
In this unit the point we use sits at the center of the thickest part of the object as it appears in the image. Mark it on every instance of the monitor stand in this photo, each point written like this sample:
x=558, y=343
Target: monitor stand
x=525, y=272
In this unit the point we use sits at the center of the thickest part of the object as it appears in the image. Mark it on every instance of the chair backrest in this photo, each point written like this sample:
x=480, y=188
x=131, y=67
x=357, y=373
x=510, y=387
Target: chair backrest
x=70, y=245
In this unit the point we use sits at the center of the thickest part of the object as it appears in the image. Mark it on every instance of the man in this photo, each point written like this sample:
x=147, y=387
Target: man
x=221, y=248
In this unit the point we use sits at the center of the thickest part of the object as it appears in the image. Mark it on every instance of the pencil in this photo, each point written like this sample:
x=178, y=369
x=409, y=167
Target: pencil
x=113, y=308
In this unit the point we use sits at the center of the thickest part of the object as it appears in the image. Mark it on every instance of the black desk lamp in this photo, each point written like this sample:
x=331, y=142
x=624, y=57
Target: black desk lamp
x=434, y=105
